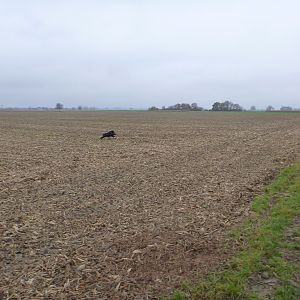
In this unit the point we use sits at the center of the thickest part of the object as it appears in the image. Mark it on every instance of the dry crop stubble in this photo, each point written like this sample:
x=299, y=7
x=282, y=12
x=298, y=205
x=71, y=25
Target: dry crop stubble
x=132, y=216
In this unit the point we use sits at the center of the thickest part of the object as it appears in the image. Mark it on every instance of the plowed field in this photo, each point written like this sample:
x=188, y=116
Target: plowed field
x=132, y=217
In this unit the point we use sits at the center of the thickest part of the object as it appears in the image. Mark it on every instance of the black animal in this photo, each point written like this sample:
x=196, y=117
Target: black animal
x=110, y=133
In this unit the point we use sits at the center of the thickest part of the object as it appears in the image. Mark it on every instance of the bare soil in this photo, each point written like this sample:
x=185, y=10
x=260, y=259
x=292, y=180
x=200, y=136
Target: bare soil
x=132, y=217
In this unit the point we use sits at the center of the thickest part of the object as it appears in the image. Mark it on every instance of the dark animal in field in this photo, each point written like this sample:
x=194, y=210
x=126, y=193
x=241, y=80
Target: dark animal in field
x=110, y=133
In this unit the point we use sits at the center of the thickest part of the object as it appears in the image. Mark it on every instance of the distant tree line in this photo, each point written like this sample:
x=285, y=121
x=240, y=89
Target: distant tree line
x=180, y=107
x=286, y=108
x=59, y=107
x=282, y=108
x=219, y=106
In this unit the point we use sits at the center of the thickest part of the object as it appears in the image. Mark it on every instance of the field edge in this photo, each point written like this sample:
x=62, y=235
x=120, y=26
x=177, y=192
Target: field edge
x=263, y=243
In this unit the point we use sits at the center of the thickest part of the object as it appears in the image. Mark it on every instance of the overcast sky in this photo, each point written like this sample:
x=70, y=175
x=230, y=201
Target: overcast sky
x=158, y=52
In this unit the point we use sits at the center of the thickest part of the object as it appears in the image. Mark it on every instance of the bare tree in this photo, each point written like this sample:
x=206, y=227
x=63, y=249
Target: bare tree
x=269, y=108
x=59, y=106
x=194, y=106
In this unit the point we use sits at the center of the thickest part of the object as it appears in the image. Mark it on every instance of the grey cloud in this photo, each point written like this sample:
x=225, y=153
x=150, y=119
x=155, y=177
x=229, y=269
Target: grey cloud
x=139, y=53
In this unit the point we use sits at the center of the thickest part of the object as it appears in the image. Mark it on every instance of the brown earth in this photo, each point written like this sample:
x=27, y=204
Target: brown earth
x=132, y=217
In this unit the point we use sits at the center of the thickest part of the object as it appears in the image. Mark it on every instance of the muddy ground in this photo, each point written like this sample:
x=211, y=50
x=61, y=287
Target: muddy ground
x=132, y=217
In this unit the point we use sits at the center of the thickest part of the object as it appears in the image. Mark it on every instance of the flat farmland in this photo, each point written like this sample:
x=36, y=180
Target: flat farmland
x=132, y=217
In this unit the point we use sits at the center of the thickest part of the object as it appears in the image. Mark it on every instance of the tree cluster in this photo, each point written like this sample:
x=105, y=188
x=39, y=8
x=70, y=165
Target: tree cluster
x=286, y=108
x=226, y=106
x=270, y=108
x=185, y=106
x=153, y=108
x=179, y=107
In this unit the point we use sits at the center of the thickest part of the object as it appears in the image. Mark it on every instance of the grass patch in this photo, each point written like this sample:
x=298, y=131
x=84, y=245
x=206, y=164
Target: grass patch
x=263, y=233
